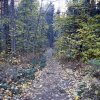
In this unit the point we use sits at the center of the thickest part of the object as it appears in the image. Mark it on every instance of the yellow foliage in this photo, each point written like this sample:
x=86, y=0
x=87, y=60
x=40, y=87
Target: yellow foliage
x=77, y=98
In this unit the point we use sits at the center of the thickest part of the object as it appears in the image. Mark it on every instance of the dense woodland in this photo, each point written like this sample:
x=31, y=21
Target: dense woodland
x=29, y=29
x=79, y=40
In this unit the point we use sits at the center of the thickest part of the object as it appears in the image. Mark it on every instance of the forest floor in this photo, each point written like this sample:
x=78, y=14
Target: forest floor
x=53, y=82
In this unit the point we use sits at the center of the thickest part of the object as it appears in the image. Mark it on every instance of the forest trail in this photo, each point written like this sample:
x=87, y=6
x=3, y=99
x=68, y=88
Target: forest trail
x=51, y=83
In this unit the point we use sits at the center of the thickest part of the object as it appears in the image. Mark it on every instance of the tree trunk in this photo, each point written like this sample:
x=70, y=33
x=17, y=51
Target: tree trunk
x=13, y=27
x=6, y=28
x=1, y=12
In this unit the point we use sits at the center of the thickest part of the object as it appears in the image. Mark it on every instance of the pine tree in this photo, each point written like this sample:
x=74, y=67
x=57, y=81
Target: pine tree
x=80, y=38
x=49, y=19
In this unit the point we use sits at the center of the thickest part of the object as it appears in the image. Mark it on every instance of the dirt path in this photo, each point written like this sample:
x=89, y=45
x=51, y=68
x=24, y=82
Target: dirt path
x=51, y=83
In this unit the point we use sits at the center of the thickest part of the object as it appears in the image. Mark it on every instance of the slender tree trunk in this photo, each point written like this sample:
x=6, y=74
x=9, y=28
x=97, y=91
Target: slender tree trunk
x=0, y=25
x=0, y=8
x=13, y=27
x=6, y=28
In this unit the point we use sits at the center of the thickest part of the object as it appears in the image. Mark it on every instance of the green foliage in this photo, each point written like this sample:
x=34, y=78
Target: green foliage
x=92, y=92
x=89, y=39
x=27, y=28
x=81, y=89
x=79, y=40
x=24, y=24
x=65, y=47
x=94, y=62
x=79, y=37
x=95, y=67
x=42, y=62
